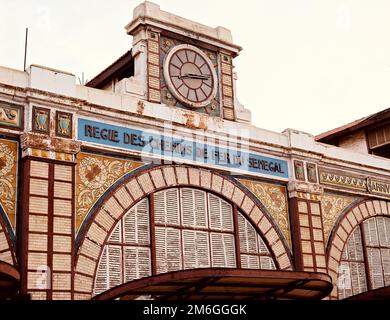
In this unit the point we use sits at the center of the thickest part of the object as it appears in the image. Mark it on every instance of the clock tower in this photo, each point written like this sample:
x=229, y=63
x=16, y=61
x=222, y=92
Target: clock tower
x=184, y=64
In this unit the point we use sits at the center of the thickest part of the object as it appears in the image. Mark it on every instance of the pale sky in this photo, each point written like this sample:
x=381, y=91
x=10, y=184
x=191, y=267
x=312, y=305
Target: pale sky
x=310, y=65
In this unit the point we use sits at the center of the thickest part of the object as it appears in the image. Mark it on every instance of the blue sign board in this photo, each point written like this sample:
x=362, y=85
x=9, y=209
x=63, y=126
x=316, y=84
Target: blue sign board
x=179, y=149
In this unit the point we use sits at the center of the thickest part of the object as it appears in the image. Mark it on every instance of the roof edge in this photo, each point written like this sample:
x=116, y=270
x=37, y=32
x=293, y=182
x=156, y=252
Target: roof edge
x=353, y=126
x=108, y=72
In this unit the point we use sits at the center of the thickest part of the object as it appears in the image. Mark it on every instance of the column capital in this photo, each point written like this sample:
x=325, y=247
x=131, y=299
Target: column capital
x=305, y=190
x=55, y=148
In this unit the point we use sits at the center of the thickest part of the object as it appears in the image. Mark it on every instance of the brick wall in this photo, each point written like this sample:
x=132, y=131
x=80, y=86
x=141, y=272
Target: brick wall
x=48, y=219
x=309, y=246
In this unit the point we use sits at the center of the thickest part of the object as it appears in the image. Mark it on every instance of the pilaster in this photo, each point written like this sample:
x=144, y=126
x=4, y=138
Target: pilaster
x=47, y=216
x=306, y=218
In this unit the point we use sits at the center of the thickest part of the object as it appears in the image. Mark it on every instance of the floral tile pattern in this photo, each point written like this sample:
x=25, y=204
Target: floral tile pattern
x=274, y=198
x=94, y=176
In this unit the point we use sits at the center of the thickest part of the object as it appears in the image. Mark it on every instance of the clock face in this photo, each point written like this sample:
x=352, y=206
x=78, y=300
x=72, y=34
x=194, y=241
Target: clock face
x=190, y=76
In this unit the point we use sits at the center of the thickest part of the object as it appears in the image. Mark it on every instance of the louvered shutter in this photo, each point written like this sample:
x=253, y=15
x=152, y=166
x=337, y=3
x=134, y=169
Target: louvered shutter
x=116, y=235
x=136, y=224
x=137, y=263
x=370, y=232
x=172, y=206
x=189, y=248
x=168, y=250
x=114, y=265
x=352, y=274
x=386, y=265
x=200, y=209
x=248, y=236
x=173, y=249
x=136, y=231
x=166, y=207
x=203, y=249
x=161, y=251
x=196, y=249
x=344, y=255
x=242, y=232
x=168, y=242
x=130, y=261
x=358, y=277
x=193, y=208
x=217, y=250
x=355, y=246
x=252, y=247
x=375, y=265
x=214, y=212
x=101, y=283
x=227, y=216
x=263, y=249
x=223, y=250
x=249, y=262
x=267, y=263
x=143, y=224
x=187, y=207
x=344, y=284
x=221, y=214
x=159, y=207
x=383, y=231
x=372, y=238
x=387, y=231
x=230, y=250
x=144, y=263
x=376, y=236
x=129, y=227
x=252, y=238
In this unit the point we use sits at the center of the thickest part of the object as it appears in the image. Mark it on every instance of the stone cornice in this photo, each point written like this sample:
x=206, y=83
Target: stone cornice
x=39, y=141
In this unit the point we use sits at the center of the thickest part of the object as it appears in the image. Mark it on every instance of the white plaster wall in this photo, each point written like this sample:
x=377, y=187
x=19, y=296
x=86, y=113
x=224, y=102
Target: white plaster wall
x=52, y=80
x=152, y=10
x=13, y=77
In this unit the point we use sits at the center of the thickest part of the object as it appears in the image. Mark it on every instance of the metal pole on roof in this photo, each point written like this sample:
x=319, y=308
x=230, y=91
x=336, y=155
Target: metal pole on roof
x=25, y=49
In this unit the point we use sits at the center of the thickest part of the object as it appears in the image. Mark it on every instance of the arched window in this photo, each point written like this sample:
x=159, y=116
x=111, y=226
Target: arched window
x=126, y=255
x=177, y=229
x=193, y=230
x=365, y=261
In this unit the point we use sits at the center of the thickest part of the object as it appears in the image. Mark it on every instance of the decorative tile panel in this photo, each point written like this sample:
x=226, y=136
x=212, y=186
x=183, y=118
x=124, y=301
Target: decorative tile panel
x=311, y=172
x=11, y=115
x=332, y=206
x=94, y=176
x=299, y=170
x=64, y=124
x=41, y=120
x=274, y=198
x=8, y=179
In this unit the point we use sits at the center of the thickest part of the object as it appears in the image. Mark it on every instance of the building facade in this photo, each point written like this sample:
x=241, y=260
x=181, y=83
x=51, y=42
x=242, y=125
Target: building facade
x=150, y=181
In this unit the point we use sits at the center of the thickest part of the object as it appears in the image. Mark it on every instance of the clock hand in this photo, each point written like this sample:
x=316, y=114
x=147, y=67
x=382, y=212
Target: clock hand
x=194, y=76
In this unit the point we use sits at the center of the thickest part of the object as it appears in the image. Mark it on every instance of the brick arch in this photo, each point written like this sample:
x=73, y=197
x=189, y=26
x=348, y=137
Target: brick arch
x=7, y=253
x=343, y=229
x=138, y=185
